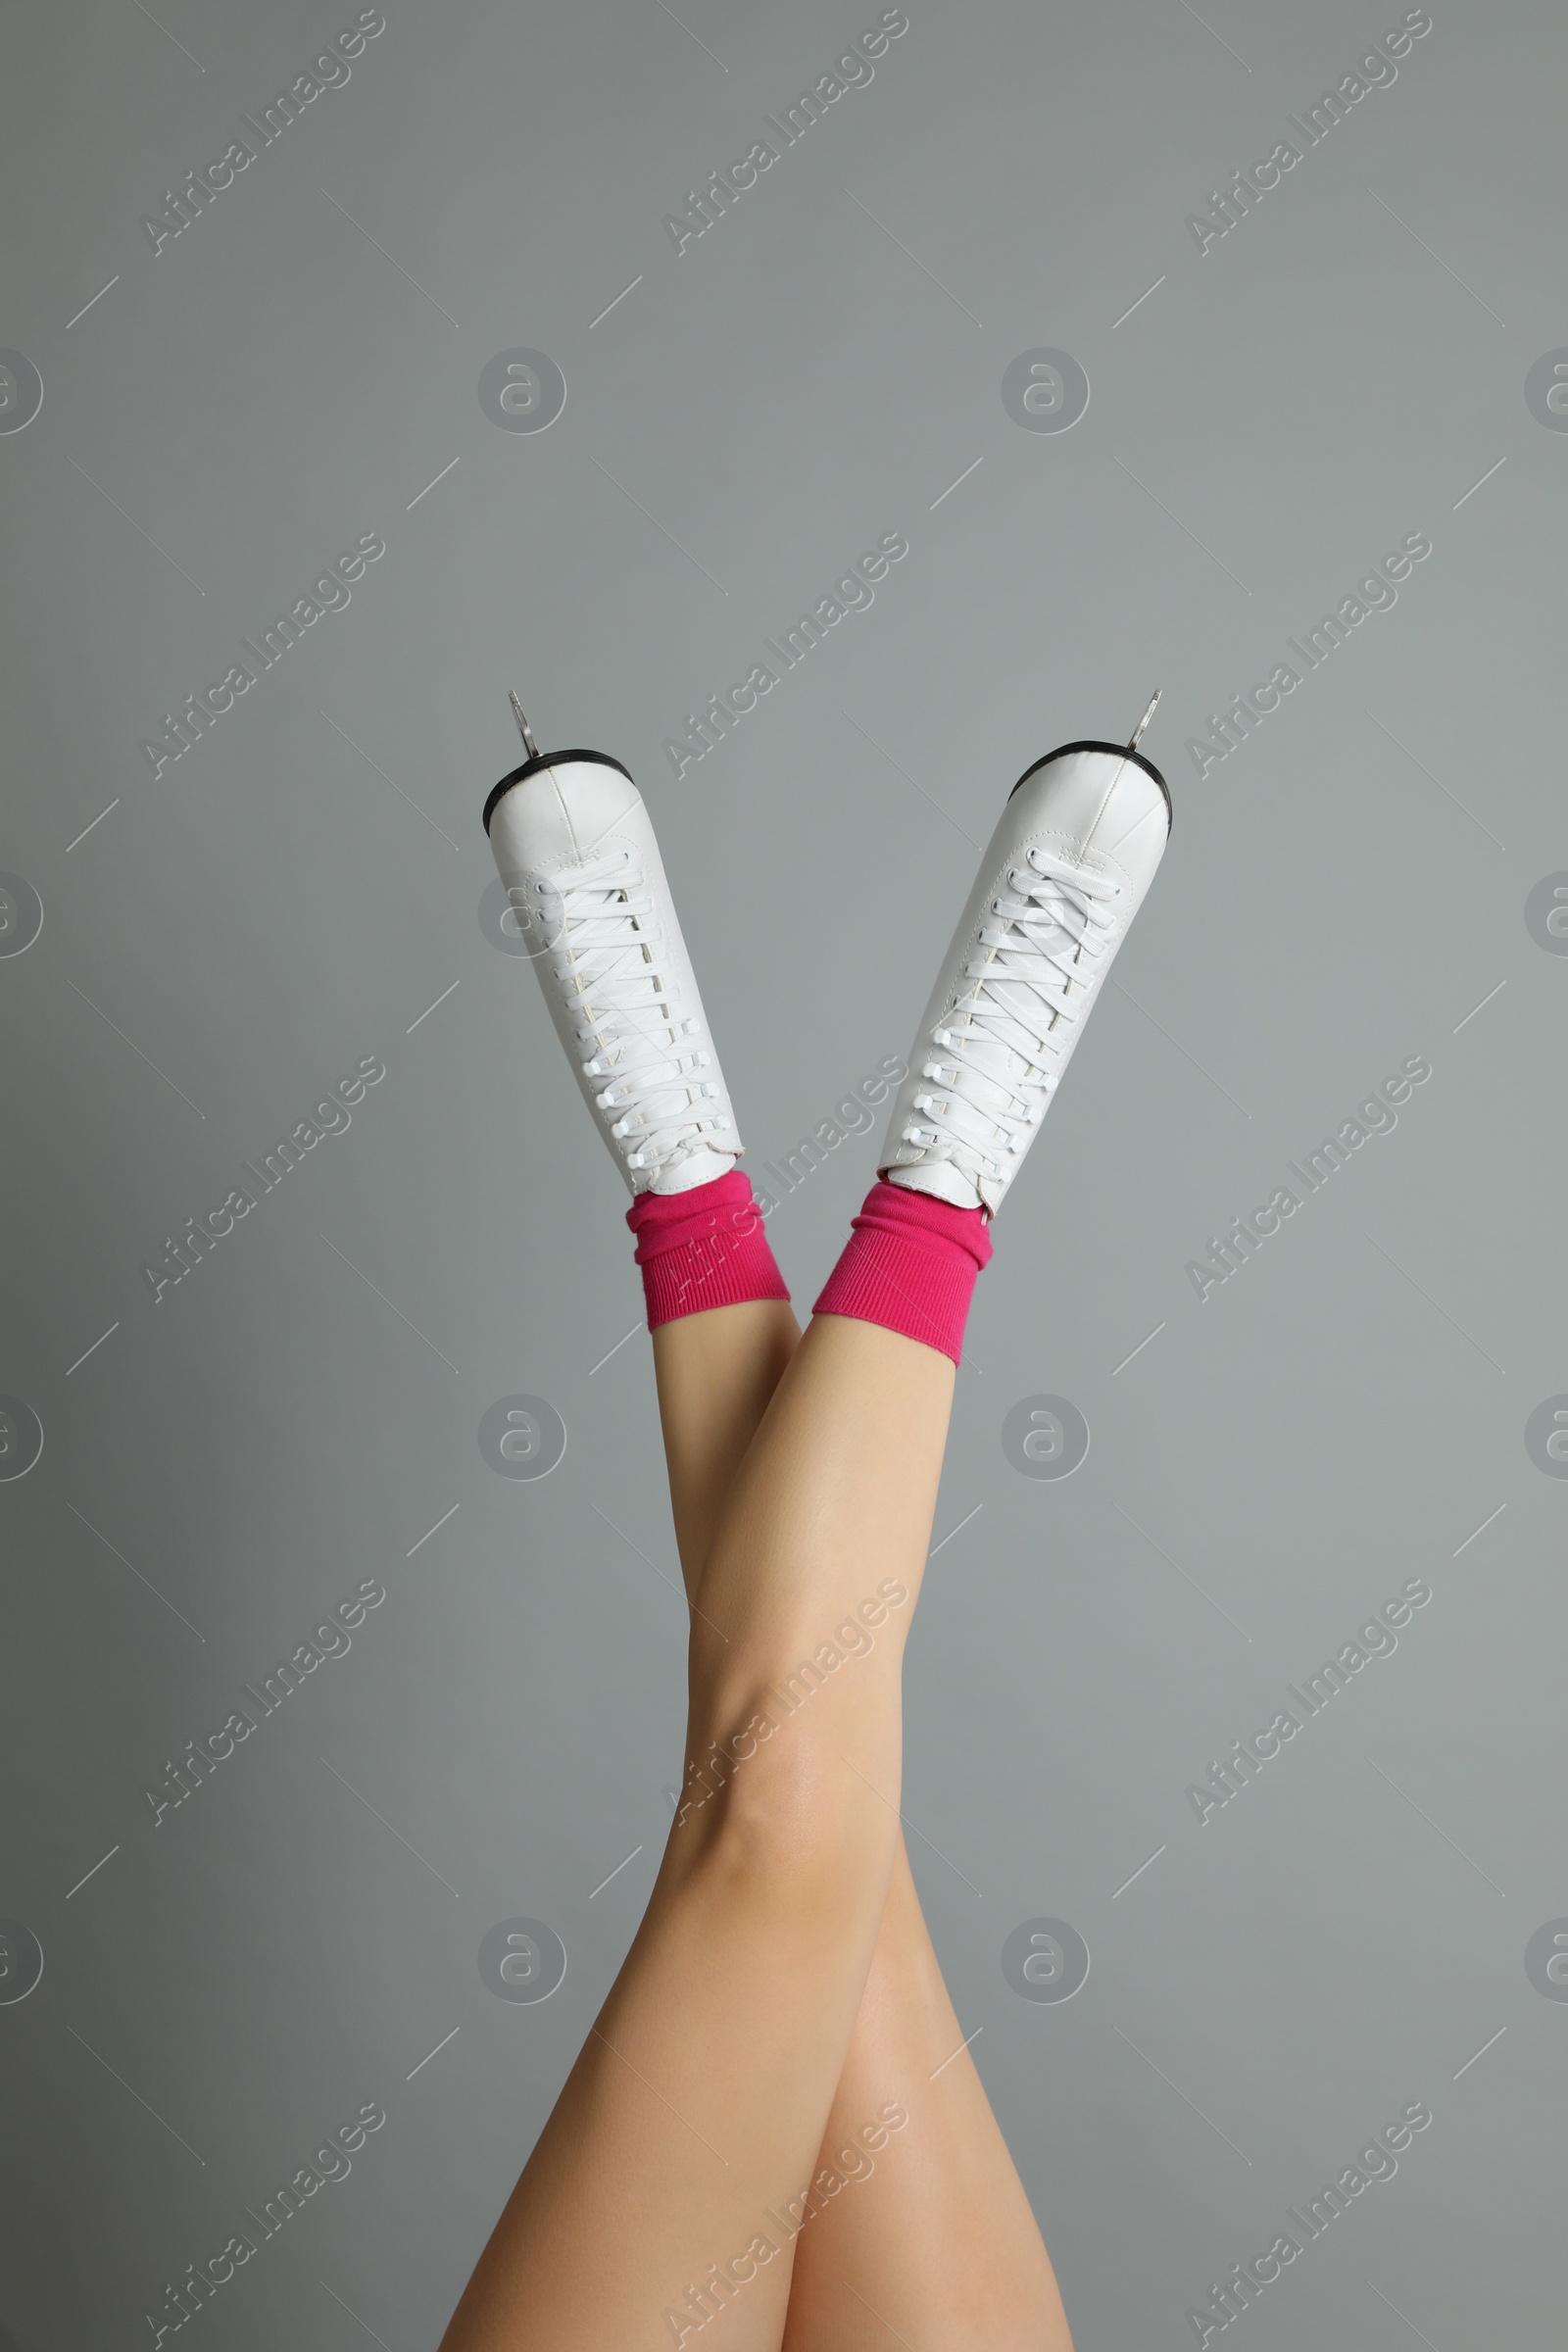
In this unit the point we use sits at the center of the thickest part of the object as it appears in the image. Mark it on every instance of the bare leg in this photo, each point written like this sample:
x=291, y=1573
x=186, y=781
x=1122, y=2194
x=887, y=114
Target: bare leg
x=932, y=2232
x=697, y=2107
x=743, y=1989
x=715, y=1373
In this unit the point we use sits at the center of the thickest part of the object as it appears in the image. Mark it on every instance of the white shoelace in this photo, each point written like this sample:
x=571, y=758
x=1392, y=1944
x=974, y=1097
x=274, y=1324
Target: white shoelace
x=1040, y=960
x=606, y=949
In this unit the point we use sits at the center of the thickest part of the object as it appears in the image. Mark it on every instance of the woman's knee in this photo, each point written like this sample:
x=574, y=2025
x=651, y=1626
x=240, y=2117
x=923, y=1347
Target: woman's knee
x=769, y=1797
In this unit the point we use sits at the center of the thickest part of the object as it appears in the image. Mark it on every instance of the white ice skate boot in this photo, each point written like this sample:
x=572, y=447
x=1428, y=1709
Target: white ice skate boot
x=576, y=851
x=1064, y=874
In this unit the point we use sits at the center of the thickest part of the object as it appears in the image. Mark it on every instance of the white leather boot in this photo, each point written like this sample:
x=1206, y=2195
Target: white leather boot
x=1065, y=872
x=576, y=851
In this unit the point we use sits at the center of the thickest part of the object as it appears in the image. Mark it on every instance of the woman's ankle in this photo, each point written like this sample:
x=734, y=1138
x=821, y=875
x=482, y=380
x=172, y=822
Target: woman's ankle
x=911, y=1264
x=702, y=1248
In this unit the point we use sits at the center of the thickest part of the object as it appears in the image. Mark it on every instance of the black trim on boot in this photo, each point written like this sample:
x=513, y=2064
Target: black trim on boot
x=532, y=768
x=1122, y=751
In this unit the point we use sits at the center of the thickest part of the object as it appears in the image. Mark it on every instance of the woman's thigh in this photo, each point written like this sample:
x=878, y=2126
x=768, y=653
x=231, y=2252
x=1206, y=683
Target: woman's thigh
x=924, y=2234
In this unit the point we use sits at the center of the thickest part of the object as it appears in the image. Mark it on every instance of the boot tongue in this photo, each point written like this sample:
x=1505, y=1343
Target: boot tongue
x=690, y=1166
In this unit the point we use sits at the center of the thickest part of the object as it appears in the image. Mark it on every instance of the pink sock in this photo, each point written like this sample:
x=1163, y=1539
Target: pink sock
x=911, y=1264
x=702, y=1249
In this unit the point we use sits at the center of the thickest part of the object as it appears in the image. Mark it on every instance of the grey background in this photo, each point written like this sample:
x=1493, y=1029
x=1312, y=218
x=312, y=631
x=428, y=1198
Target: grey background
x=294, y=1417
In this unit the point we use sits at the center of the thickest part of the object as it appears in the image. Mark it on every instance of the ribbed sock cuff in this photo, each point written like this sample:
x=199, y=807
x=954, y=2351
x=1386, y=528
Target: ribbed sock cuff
x=702, y=1248
x=911, y=1264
